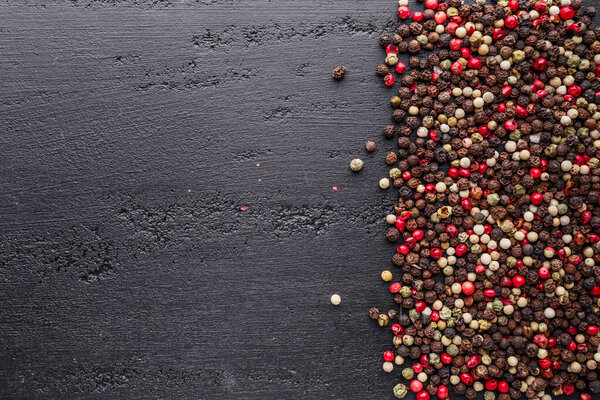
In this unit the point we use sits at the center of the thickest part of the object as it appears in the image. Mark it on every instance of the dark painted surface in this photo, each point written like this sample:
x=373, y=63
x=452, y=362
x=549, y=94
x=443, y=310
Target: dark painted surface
x=130, y=134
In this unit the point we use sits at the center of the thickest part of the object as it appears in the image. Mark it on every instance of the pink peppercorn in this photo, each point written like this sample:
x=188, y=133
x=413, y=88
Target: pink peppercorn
x=536, y=199
x=511, y=22
x=416, y=385
x=468, y=288
x=567, y=12
x=400, y=67
x=403, y=12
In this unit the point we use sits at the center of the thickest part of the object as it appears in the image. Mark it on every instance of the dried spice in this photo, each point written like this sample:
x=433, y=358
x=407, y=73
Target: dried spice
x=339, y=72
x=496, y=228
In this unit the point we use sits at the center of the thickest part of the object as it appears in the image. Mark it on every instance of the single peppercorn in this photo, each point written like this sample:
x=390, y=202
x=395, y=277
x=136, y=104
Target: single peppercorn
x=339, y=72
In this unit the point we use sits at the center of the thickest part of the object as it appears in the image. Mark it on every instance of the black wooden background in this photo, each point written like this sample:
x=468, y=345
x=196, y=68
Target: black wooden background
x=130, y=134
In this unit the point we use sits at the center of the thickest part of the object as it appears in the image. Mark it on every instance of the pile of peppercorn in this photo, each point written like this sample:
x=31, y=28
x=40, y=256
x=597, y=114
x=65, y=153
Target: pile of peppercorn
x=496, y=274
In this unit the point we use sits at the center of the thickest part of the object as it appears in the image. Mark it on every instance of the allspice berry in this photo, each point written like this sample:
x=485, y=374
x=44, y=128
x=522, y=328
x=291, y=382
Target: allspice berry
x=339, y=72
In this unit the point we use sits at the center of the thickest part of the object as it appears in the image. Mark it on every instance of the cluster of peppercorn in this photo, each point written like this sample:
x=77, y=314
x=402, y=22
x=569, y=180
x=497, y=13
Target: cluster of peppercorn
x=499, y=189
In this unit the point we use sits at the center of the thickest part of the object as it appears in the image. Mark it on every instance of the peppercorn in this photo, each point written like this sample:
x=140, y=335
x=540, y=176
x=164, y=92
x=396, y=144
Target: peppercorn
x=339, y=72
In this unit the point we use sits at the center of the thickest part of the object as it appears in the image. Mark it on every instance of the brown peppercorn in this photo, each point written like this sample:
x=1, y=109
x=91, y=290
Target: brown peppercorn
x=339, y=72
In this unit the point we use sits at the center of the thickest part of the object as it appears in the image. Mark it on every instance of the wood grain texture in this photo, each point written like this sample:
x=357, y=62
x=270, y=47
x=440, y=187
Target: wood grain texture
x=116, y=282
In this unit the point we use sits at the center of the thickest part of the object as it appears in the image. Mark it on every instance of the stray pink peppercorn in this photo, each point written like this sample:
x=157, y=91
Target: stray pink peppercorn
x=498, y=33
x=535, y=173
x=491, y=385
x=466, y=204
x=510, y=125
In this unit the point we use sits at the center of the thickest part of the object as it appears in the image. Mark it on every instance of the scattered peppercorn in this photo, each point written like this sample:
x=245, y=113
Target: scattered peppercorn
x=356, y=164
x=339, y=72
x=370, y=146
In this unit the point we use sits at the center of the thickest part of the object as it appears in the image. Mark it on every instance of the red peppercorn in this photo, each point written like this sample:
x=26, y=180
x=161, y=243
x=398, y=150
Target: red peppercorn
x=451, y=27
x=420, y=306
x=397, y=330
x=453, y=172
x=423, y=395
x=389, y=79
x=403, y=249
x=435, y=316
x=461, y=250
x=503, y=387
x=392, y=49
x=568, y=388
x=567, y=12
x=574, y=90
x=544, y=363
x=584, y=396
x=400, y=225
x=544, y=273
x=506, y=90
x=468, y=288
x=446, y=358
x=400, y=67
x=406, y=175
x=595, y=291
x=498, y=34
x=466, y=378
x=487, y=292
x=436, y=253
x=456, y=68
x=535, y=173
x=466, y=204
x=416, y=385
x=537, y=198
x=440, y=17
x=431, y=4
x=442, y=392
x=551, y=342
x=418, y=234
x=510, y=124
x=518, y=281
x=451, y=230
x=592, y=330
x=511, y=21
x=540, y=64
x=466, y=53
x=501, y=106
x=417, y=16
x=418, y=368
x=521, y=112
x=388, y=356
x=491, y=385
x=403, y=12
x=541, y=6
x=513, y=5
x=395, y=287
x=473, y=361
x=480, y=269
x=474, y=63
x=540, y=341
